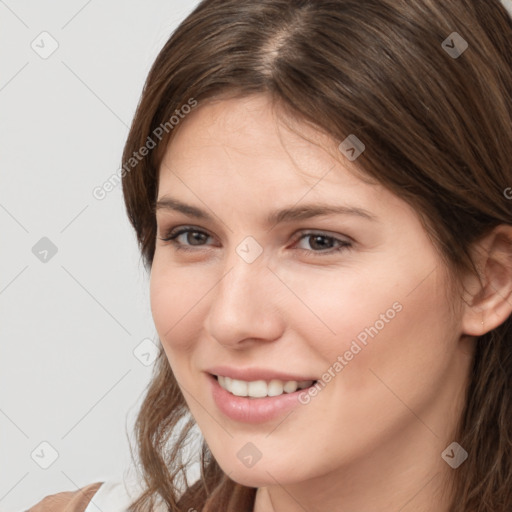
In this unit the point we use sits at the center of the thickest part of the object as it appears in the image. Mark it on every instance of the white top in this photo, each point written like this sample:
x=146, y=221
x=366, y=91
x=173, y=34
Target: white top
x=110, y=497
x=116, y=495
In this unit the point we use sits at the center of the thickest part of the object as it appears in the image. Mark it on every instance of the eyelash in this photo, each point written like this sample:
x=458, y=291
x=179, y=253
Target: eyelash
x=173, y=233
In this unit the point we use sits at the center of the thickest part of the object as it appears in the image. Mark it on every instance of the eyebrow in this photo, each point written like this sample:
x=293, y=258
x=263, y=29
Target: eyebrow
x=275, y=217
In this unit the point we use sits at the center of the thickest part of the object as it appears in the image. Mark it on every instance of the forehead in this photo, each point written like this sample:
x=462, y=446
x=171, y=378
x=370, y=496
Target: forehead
x=243, y=150
x=251, y=134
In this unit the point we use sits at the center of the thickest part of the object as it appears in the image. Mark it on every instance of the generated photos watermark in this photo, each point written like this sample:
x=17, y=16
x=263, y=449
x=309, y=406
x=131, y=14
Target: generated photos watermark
x=355, y=348
x=100, y=192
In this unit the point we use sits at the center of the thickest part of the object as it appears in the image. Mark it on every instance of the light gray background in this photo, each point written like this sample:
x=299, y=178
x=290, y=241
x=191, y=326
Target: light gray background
x=69, y=326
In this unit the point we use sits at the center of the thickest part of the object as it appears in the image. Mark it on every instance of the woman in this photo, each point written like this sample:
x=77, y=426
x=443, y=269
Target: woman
x=321, y=192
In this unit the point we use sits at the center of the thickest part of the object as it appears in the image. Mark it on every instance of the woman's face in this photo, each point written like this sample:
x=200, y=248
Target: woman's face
x=356, y=300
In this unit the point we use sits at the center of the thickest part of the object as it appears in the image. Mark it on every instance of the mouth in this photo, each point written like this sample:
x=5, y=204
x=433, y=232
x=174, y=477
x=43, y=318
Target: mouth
x=261, y=388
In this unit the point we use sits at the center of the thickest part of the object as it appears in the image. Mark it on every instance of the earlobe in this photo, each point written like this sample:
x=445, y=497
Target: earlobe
x=489, y=304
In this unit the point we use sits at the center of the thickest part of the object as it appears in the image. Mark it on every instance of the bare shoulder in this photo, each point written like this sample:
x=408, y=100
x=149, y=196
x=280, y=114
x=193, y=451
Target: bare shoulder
x=69, y=501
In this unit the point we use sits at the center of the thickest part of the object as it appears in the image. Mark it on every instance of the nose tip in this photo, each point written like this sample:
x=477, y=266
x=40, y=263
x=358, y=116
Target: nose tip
x=243, y=305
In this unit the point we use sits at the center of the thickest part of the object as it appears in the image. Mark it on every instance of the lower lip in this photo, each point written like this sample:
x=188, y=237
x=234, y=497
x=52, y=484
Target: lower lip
x=253, y=410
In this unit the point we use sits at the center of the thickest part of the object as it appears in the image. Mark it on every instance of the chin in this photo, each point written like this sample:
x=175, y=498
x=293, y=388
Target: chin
x=251, y=477
x=262, y=474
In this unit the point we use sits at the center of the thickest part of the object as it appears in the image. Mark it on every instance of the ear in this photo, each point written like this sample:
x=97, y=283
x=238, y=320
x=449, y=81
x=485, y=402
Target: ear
x=489, y=302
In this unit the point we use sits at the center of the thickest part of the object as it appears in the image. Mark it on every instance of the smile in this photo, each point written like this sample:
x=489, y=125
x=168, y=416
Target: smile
x=261, y=388
x=273, y=398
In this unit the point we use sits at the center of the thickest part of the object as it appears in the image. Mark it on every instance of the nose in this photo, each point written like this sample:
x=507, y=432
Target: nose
x=246, y=305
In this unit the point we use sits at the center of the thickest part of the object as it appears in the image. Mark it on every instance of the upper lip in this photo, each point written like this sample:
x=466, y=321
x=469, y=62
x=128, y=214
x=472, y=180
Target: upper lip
x=253, y=374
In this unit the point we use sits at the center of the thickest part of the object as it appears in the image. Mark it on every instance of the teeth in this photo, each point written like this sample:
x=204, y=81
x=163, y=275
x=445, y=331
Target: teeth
x=275, y=388
x=239, y=387
x=257, y=389
x=260, y=388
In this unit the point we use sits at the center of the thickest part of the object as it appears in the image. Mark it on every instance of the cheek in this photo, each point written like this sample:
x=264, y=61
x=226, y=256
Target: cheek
x=408, y=361
x=374, y=320
x=334, y=307
x=176, y=297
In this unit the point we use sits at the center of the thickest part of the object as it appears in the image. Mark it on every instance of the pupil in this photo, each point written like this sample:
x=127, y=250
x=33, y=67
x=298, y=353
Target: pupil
x=316, y=238
x=195, y=236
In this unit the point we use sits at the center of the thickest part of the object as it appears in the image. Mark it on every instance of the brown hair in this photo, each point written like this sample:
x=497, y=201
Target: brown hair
x=438, y=134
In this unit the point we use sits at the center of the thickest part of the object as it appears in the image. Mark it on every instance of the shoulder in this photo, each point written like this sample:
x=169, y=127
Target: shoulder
x=69, y=501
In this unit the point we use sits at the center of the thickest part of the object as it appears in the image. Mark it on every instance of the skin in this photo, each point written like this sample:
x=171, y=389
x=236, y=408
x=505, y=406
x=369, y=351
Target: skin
x=372, y=438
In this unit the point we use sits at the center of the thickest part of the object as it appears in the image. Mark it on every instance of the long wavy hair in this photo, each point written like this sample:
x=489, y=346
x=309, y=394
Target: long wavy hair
x=437, y=127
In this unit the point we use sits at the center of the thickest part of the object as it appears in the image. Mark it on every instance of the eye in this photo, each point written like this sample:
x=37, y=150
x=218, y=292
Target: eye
x=189, y=236
x=322, y=243
x=185, y=238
